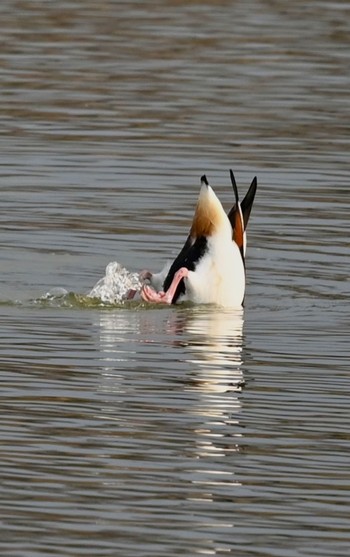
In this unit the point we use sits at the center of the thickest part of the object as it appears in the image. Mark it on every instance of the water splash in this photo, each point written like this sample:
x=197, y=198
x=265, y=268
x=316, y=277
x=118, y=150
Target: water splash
x=112, y=290
x=114, y=287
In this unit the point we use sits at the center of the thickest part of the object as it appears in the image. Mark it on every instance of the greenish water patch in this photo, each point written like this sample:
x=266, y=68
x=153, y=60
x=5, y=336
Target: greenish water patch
x=64, y=299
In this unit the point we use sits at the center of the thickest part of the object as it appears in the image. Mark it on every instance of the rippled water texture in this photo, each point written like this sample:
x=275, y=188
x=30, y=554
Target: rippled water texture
x=145, y=432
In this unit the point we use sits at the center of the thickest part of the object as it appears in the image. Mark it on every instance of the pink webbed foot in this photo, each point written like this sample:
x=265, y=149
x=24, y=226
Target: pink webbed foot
x=148, y=294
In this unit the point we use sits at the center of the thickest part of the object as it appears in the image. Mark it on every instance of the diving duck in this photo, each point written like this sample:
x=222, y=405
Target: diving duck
x=210, y=268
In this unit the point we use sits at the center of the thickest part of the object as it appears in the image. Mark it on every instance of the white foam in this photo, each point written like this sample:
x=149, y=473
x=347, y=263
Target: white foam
x=113, y=288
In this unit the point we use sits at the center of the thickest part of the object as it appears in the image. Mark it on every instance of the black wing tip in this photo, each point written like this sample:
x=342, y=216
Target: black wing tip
x=248, y=200
x=234, y=186
x=204, y=180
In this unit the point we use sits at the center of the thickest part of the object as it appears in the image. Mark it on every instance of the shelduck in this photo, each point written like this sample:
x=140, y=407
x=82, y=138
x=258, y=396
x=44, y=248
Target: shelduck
x=210, y=268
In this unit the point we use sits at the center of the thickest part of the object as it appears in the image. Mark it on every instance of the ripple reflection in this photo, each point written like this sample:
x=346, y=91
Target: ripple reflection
x=171, y=381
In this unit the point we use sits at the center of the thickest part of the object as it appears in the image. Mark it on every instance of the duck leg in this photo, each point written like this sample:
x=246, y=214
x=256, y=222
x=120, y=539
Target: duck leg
x=148, y=294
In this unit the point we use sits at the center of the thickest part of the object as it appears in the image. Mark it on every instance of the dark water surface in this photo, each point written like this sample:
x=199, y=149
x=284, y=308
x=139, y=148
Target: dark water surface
x=174, y=431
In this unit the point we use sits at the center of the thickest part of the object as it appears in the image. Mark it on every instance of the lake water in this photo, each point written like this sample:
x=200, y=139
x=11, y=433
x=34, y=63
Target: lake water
x=145, y=432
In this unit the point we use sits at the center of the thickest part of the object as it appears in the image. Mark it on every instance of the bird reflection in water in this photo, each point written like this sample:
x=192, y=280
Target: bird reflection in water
x=213, y=348
x=184, y=363
x=170, y=386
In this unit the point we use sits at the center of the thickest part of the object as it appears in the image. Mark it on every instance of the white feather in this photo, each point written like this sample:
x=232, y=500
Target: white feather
x=219, y=277
x=157, y=279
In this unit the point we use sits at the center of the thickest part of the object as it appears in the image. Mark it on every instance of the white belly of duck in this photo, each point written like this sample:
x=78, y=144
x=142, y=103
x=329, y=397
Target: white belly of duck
x=219, y=277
